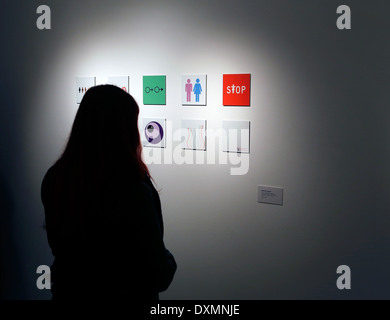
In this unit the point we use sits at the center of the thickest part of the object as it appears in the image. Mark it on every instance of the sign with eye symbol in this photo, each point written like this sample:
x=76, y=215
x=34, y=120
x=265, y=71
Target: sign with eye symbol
x=153, y=132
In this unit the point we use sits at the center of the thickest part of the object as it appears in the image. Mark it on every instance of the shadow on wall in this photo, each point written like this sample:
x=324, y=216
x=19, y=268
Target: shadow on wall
x=9, y=263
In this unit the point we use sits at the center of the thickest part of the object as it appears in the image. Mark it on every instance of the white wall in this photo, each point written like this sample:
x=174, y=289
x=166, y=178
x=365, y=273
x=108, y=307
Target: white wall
x=318, y=129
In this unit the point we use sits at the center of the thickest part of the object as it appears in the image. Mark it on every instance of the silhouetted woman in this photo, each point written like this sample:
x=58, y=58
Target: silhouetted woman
x=103, y=214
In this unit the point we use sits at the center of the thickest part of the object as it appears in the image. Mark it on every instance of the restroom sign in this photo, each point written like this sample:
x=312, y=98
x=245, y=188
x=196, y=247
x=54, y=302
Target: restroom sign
x=236, y=89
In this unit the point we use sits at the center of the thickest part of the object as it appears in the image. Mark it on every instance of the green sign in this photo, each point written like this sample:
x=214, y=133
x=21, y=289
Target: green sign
x=154, y=90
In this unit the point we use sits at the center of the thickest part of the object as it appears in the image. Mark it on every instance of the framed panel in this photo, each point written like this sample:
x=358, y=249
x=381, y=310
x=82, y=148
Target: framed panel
x=236, y=89
x=82, y=85
x=154, y=90
x=194, y=90
x=153, y=132
x=122, y=82
x=194, y=134
x=237, y=137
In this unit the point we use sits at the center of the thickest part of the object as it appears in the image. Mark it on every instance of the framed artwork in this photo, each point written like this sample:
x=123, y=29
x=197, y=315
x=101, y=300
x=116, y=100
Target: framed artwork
x=194, y=134
x=194, y=90
x=153, y=132
x=237, y=137
x=122, y=82
x=236, y=90
x=154, y=90
x=82, y=85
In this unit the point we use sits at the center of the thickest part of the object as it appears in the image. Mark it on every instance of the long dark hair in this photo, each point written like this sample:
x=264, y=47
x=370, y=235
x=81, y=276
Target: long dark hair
x=101, y=166
x=104, y=139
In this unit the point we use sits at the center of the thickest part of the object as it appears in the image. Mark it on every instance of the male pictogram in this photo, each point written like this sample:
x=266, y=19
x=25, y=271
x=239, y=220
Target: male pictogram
x=188, y=89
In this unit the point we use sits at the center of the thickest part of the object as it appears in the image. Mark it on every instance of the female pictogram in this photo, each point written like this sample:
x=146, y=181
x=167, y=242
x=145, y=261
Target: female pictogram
x=197, y=90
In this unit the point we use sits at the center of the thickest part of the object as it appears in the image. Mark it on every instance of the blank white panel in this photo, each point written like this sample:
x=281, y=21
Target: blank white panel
x=237, y=136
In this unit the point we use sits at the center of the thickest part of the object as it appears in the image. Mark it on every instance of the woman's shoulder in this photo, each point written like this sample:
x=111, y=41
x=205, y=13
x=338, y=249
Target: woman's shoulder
x=51, y=174
x=55, y=177
x=149, y=185
x=48, y=183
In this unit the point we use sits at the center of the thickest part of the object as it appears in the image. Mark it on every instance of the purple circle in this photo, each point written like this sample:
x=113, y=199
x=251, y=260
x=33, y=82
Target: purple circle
x=154, y=132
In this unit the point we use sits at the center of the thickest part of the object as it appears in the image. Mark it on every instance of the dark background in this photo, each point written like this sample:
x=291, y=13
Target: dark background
x=319, y=113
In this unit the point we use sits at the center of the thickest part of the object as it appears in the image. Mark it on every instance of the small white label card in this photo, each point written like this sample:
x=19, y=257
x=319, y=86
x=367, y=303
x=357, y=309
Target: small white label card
x=271, y=195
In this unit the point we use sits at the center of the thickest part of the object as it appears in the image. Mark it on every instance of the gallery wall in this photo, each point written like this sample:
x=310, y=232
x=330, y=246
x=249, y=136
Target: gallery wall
x=318, y=113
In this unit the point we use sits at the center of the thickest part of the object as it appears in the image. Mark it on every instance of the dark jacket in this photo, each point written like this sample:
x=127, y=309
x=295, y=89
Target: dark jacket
x=107, y=241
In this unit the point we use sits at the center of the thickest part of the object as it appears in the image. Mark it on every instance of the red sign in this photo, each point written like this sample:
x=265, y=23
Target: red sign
x=236, y=89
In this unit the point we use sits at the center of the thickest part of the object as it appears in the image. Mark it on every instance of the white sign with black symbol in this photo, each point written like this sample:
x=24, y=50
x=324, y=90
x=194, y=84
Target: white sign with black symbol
x=82, y=86
x=271, y=195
